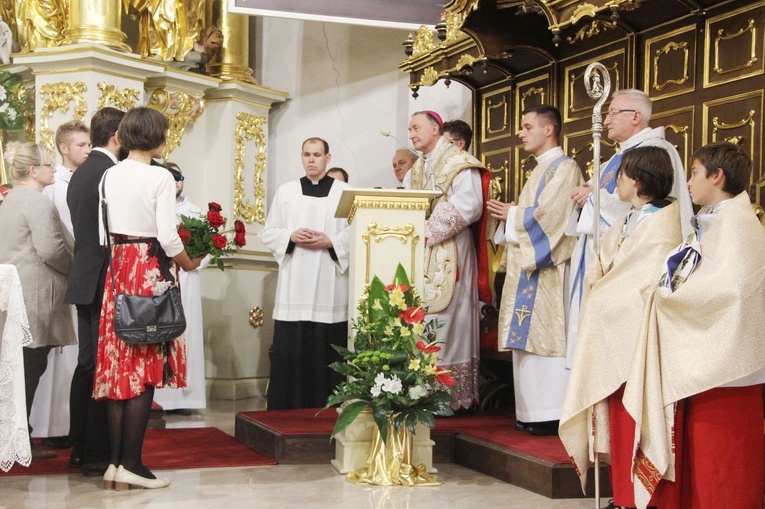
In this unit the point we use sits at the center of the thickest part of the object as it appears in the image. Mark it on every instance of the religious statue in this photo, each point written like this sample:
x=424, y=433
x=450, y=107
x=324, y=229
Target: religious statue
x=6, y=42
x=167, y=28
x=41, y=23
x=209, y=45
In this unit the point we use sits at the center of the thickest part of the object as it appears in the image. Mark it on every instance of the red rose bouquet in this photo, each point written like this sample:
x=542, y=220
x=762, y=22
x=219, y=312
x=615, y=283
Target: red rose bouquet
x=206, y=234
x=393, y=367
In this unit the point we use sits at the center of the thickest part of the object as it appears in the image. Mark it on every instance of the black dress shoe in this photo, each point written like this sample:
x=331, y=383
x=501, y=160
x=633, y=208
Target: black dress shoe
x=57, y=442
x=75, y=458
x=95, y=468
x=543, y=429
x=521, y=426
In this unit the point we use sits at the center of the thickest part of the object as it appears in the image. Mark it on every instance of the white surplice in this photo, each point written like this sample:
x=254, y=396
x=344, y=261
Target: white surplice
x=194, y=394
x=311, y=285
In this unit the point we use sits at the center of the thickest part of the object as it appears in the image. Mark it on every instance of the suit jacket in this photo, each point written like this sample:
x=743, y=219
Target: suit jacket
x=33, y=239
x=86, y=281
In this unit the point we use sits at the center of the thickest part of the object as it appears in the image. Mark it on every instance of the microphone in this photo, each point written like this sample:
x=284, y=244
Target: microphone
x=431, y=176
x=386, y=132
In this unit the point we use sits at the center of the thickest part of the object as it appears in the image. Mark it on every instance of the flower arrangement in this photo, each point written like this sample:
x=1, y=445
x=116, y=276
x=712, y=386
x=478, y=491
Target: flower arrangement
x=11, y=107
x=393, y=368
x=207, y=235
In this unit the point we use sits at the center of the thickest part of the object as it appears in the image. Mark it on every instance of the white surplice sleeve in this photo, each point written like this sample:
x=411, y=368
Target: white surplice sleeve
x=275, y=236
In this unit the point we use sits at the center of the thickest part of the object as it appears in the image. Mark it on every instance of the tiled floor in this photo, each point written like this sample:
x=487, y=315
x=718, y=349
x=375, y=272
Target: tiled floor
x=284, y=486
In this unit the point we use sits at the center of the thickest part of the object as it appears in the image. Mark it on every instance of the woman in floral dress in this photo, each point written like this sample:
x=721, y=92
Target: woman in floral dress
x=146, y=251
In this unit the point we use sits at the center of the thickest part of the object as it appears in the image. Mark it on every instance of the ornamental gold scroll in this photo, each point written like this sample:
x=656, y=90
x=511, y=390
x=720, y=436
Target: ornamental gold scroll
x=249, y=128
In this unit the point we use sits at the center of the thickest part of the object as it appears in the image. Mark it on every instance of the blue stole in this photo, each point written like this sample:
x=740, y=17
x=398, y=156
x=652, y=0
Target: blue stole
x=526, y=294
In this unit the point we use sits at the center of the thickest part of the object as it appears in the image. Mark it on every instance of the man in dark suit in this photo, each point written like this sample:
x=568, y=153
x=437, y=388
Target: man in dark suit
x=88, y=429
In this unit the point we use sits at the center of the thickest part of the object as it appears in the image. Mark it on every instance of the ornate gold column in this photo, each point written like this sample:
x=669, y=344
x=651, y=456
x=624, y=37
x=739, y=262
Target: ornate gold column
x=231, y=63
x=96, y=22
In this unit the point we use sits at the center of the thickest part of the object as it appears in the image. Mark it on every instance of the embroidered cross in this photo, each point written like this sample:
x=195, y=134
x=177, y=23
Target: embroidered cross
x=522, y=314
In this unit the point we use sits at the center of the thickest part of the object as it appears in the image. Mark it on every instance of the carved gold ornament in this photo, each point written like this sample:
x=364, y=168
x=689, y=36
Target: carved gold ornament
x=122, y=100
x=670, y=46
x=584, y=10
x=248, y=128
x=26, y=95
x=57, y=96
x=718, y=125
x=429, y=76
x=181, y=109
x=591, y=30
x=423, y=42
x=454, y=21
x=387, y=204
x=721, y=36
x=377, y=234
x=256, y=317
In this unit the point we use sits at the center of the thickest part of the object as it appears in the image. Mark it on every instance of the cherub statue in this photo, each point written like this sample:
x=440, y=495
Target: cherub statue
x=209, y=44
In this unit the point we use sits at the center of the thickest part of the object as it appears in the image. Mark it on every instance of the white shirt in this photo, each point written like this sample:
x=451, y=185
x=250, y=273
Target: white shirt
x=57, y=193
x=141, y=201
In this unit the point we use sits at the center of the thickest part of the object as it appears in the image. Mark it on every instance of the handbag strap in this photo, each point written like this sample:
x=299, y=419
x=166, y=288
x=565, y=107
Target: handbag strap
x=105, y=220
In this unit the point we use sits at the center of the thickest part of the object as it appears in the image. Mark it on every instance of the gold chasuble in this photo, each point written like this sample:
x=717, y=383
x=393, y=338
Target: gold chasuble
x=441, y=262
x=531, y=317
x=615, y=289
x=707, y=333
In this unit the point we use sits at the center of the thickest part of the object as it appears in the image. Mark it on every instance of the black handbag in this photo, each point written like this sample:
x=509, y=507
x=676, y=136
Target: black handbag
x=143, y=320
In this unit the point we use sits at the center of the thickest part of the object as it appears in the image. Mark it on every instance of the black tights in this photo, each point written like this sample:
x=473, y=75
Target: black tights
x=128, y=420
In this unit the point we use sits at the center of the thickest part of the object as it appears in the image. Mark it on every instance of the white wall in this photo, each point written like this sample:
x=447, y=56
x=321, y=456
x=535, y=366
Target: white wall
x=344, y=86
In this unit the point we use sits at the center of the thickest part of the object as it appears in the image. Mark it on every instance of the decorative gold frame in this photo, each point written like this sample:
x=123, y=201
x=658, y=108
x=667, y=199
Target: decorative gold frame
x=486, y=104
x=57, y=96
x=685, y=130
x=521, y=95
x=652, y=65
x=710, y=67
x=248, y=127
x=503, y=171
x=121, y=99
x=571, y=112
x=522, y=173
x=755, y=130
x=572, y=152
x=377, y=234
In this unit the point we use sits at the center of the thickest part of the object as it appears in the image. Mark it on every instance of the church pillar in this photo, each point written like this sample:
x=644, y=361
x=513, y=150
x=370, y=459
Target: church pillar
x=232, y=61
x=96, y=22
x=238, y=303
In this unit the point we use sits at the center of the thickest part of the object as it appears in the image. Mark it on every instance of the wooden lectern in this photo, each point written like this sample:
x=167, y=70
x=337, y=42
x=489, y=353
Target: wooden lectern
x=387, y=228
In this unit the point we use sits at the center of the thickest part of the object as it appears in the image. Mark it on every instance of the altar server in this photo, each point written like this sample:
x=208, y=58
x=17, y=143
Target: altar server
x=629, y=265
x=532, y=320
x=311, y=247
x=695, y=385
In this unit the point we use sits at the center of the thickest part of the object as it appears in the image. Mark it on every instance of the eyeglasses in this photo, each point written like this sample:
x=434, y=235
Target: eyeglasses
x=613, y=113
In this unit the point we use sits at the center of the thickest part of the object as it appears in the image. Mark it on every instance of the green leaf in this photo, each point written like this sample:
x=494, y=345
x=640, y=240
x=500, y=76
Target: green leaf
x=401, y=278
x=347, y=416
x=380, y=415
x=219, y=263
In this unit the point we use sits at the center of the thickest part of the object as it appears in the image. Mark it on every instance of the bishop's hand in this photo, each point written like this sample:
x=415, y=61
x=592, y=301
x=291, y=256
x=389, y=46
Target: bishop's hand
x=498, y=209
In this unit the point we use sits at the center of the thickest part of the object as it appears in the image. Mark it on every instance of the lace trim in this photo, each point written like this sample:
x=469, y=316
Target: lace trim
x=445, y=222
x=465, y=391
x=14, y=437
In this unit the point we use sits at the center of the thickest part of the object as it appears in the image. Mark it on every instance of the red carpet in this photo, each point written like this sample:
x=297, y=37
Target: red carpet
x=495, y=426
x=170, y=449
